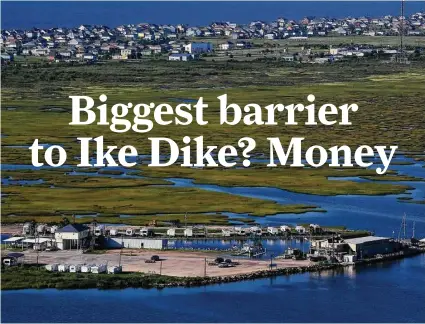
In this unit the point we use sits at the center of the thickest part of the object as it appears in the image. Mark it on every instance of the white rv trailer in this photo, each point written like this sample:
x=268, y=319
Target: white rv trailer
x=41, y=228
x=188, y=232
x=256, y=230
x=52, y=267
x=171, y=232
x=63, y=268
x=86, y=268
x=285, y=229
x=53, y=229
x=101, y=268
x=272, y=230
x=75, y=268
x=99, y=230
x=146, y=231
x=300, y=229
x=240, y=231
x=227, y=232
x=130, y=231
x=114, y=269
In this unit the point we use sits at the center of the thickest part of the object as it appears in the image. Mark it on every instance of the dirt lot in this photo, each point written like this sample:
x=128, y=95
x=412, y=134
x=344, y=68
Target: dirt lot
x=11, y=229
x=174, y=263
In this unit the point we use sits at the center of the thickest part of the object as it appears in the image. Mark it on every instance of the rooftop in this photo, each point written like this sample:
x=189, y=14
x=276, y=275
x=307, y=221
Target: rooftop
x=360, y=240
x=72, y=228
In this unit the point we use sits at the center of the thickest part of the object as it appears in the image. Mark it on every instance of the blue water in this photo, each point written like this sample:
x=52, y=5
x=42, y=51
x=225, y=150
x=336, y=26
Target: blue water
x=70, y=14
x=391, y=292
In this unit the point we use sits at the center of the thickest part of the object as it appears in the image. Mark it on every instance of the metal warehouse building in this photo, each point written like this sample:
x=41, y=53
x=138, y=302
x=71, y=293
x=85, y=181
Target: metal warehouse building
x=135, y=243
x=369, y=246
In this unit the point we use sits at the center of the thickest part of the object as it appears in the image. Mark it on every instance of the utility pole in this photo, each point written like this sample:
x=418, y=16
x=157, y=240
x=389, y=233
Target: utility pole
x=122, y=245
x=205, y=267
x=160, y=267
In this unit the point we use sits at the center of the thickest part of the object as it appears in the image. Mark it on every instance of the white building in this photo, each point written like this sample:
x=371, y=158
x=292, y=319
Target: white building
x=136, y=243
x=72, y=236
x=181, y=57
x=198, y=48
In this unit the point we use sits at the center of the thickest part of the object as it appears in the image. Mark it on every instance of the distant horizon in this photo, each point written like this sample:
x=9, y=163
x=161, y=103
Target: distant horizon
x=39, y=14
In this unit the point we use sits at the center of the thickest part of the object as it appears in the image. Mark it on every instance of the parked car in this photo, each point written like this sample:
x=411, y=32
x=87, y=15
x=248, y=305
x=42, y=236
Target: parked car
x=155, y=258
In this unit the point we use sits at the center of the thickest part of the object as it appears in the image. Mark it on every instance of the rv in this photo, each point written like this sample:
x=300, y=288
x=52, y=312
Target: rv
x=256, y=230
x=227, y=232
x=101, y=268
x=240, y=231
x=63, y=268
x=272, y=230
x=41, y=228
x=130, y=232
x=300, y=229
x=9, y=262
x=28, y=229
x=53, y=229
x=75, y=268
x=99, y=230
x=188, y=232
x=315, y=229
x=285, y=229
x=86, y=268
x=52, y=267
x=114, y=269
x=145, y=231
x=171, y=232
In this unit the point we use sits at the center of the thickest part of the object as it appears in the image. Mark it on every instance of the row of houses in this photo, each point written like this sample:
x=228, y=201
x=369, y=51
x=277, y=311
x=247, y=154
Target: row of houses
x=90, y=42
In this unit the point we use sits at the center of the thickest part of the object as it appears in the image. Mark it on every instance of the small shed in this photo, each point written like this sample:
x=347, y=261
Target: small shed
x=37, y=243
x=13, y=241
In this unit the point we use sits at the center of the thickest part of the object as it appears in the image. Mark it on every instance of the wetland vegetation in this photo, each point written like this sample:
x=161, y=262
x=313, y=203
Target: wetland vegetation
x=35, y=104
